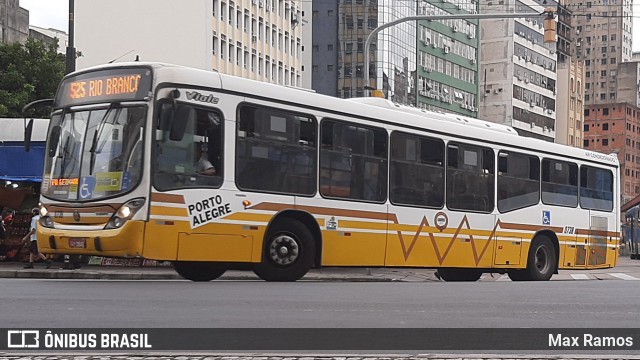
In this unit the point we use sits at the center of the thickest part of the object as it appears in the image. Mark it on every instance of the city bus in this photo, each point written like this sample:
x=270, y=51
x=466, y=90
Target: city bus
x=214, y=172
x=631, y=231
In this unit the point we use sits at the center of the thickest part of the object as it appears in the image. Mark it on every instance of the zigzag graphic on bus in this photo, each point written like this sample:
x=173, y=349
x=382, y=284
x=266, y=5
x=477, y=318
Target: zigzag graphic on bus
x=441, y=257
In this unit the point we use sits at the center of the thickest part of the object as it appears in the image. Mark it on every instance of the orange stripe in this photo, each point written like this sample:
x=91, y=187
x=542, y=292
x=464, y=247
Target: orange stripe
x=167, y=198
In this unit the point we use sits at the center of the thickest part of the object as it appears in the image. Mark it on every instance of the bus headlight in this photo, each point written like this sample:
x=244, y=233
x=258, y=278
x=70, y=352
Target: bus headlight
x=43, y=211
x=46, y=221
x=124, y=213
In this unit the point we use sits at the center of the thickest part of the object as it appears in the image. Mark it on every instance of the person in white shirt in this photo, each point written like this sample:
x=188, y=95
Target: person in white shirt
x=33, y=246
x=204, y=166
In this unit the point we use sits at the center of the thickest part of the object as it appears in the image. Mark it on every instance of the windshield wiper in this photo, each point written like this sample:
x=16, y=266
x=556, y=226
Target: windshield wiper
x=96, y=135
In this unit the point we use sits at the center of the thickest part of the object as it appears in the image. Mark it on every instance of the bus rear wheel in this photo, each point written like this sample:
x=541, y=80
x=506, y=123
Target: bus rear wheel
x=541, y=263
x=458, y=274
x=198, y=270
x=288, y=252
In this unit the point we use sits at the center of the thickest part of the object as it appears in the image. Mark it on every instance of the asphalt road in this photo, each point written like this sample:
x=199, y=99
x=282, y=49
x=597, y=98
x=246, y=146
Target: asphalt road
x=104, y=303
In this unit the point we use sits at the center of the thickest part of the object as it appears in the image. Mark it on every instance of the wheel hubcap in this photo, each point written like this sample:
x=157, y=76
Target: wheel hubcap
x=542, y=259
x=284, y=250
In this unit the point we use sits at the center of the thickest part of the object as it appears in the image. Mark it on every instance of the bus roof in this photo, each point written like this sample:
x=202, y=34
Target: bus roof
x=374, y=109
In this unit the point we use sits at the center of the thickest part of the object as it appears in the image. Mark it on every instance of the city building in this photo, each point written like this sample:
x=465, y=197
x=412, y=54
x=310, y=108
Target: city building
x=570, y=102
x=256, y=39
x=615, y=128
x=602, y=33
x=628, y=84
x=518, y=70
x=49, y=36
x=14, y=22
x=448, y=58
x=426, y=64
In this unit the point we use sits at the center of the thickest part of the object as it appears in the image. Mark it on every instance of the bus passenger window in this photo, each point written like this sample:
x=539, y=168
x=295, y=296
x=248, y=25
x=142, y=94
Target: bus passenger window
x=276, y=151
x=559, y=183
x=417, y=170
x=353, y=161
x=518, y=181
x=470, y=178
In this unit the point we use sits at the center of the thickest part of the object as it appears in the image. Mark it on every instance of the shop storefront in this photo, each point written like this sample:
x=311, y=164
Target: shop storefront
x=20, y=179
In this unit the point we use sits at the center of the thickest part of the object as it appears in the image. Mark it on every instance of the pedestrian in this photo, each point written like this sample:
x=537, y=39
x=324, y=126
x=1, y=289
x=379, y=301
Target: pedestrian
x=34, y=254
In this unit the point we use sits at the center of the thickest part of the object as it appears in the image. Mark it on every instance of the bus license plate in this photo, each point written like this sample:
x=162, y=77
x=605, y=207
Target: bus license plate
x=78, y=243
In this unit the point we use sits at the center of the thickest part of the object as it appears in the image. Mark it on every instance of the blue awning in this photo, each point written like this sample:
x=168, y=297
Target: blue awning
x=19, y=165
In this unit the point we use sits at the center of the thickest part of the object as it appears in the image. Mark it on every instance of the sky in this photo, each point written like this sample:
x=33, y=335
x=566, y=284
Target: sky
x=54, y=14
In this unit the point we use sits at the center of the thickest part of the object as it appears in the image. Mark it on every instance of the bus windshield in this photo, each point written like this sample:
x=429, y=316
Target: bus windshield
x=94, y=154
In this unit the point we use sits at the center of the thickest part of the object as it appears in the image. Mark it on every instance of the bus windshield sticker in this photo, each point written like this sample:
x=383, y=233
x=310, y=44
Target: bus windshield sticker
x=108, y=181
x=203, y=211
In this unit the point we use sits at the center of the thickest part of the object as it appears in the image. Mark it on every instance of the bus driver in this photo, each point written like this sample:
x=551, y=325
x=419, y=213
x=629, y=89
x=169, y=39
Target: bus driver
x=203, y=165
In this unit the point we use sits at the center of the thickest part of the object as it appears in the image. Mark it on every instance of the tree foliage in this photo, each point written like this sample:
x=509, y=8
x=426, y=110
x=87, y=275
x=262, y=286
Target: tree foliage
x=28, y=72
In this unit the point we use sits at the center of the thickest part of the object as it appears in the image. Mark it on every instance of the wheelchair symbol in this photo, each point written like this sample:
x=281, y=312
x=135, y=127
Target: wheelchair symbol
x=86, y=188
x=546, y=217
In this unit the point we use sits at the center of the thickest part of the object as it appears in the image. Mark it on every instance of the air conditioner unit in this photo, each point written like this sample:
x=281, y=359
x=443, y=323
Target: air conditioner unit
x=526, y=80
x=471, y=36
x=473, y=61
x=261, y=3
x=495, y=91
x=474, y=109
x=455, y=28
x=459, y=7
x=532, y=125
x=434, y=45
x=549, y=111
x=446, y=49
x=532, y=104
x=254, y=38
x=545, y=129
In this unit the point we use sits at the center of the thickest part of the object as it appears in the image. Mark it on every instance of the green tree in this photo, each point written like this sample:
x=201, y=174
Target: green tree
x=29, y=72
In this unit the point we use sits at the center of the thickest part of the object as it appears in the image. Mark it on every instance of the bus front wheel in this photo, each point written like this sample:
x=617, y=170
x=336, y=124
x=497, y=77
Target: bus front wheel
x=450, y=274
x=198, y=270
x=288, y=252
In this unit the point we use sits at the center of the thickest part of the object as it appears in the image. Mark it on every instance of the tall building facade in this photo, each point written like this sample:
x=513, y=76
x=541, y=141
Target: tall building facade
x=570, y=102
x=256, y=39
x=14, y=22
x=615, y=128
x=426, y=64
x=602, y=33
x=518, y=79
x=448, y=58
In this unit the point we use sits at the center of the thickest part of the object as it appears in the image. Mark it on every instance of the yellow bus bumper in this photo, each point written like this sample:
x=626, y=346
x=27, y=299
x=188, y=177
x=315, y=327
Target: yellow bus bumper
x=126, y=241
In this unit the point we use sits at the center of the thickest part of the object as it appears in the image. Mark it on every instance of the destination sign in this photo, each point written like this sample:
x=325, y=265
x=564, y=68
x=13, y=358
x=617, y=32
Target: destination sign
x=105, y=86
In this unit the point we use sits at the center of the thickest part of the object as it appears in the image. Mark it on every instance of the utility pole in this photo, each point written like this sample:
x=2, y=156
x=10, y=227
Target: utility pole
x=549, y=29
x=71, y=50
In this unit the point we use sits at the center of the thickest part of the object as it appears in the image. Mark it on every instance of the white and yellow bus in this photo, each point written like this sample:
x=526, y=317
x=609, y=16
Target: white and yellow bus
x=215, y=172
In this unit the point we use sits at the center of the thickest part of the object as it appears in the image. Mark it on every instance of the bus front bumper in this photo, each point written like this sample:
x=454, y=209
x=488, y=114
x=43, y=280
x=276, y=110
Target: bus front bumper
x=126, y=241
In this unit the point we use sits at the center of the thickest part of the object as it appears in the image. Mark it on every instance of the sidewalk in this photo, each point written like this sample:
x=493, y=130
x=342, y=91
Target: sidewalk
x=15, y=270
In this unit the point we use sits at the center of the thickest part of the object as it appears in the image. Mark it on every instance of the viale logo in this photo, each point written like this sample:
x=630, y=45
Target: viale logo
x=194, y=95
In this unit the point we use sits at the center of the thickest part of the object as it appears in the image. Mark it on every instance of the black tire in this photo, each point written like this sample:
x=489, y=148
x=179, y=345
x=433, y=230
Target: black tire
x=288, y=252
x=541, y=262
x=517, y=275
x=459, y=274
x=198, y=270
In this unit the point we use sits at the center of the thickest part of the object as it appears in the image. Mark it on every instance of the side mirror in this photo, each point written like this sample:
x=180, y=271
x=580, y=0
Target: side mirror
x=54, y=139
x=181, y=117
x=28, y=130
